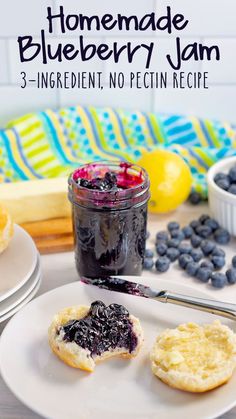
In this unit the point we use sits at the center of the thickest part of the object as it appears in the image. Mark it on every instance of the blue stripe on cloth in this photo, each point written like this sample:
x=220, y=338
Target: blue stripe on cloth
x=171, y=120
x=206, y=133
x=180, y=129
x=198, y=158
x=23, y=157
x=121, y=126
x=188, y=138
x=57, y=145
x=11, y=158
x=96, y=135
x=152, y=133
x=222, y=152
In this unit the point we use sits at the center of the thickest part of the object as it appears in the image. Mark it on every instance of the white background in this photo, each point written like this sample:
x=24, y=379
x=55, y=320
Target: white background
x=210, y=22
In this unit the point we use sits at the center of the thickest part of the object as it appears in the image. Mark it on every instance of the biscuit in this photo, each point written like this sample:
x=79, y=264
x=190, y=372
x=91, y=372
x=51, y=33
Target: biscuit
x=195, y=358
x=6, y=229
x=74, y=354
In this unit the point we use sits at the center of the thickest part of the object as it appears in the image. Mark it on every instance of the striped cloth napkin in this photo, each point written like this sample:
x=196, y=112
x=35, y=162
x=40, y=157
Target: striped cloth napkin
x=53, y=142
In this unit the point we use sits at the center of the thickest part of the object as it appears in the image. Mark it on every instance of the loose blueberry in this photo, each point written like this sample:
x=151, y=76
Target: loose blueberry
x=173, y=225
x=232, y=189
x=218, y=262
x=207, y=264
x=149, y=253
x=196, y=254
x=207, y=247
x=194, y=224
x=196, y=240
x=234, y=261
x=224, y=183
x=192, y=268
x=195, y=198
x=232, y=174
x=188, y=232
x=184, y=248
x=162, y=264
x=162, y=236
x=184, y=260
x=177, y=234
x=222, y=236
x=219, y=176
x=172, y=254
x=213, y=224
x=218, y=252
x=204, y=231
x=231, y=276
x=203, y=218
x=173, y=243
x=218, y=280
x=161, y=248
x=203, y=274
x=148, y=264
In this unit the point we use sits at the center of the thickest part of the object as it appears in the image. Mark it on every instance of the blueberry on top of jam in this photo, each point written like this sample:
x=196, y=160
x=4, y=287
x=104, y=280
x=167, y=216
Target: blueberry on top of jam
x=104, y=328
x=106, y=183
x=95, y=178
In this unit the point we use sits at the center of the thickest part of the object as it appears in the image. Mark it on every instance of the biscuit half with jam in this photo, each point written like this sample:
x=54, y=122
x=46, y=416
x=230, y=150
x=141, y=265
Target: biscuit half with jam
x=82, y=336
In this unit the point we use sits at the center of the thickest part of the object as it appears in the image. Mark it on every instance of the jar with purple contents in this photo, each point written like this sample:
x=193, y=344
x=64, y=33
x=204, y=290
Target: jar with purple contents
x=109, y=209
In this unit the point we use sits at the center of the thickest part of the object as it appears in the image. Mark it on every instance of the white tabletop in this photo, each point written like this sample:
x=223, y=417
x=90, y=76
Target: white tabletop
x=59, y=269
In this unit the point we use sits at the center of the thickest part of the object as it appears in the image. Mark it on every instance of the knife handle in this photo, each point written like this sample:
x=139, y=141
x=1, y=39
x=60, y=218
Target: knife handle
x=210, y=306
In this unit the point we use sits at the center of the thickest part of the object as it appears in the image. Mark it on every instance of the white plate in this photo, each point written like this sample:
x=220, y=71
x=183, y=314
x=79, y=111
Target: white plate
x=17, y=262
x=16, y=298
x=27, y=298
x=118, y=388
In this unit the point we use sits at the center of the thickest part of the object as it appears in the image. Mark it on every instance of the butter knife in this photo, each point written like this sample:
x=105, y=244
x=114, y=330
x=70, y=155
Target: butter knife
x=132, y=288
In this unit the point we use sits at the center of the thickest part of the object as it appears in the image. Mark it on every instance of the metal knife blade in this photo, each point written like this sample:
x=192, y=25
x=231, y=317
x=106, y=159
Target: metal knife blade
x=132, y=288
x=123, y=286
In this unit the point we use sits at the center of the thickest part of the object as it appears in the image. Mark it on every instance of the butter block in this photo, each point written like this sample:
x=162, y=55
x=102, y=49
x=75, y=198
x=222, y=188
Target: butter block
x=36, y=200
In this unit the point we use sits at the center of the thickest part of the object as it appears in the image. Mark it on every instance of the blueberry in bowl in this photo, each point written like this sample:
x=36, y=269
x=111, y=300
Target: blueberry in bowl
x=221, y=181
x=81, y=336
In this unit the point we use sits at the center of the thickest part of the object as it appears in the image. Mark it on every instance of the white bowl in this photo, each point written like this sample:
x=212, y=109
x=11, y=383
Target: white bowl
x=222, y=203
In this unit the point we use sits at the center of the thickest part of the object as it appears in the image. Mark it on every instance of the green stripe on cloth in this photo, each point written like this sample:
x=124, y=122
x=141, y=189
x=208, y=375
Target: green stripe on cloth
x=53, y=143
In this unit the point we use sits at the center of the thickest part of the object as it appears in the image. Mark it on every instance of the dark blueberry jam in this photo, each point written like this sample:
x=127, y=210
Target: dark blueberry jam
x=107, y=183
x=109, y=202
x=104, y=328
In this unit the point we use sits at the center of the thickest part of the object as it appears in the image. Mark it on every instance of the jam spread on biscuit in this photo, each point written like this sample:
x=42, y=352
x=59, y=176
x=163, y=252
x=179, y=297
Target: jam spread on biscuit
x=104, y=328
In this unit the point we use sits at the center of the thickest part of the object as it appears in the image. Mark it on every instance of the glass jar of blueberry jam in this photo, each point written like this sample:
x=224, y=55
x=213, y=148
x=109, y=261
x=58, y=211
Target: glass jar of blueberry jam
x=109, y=208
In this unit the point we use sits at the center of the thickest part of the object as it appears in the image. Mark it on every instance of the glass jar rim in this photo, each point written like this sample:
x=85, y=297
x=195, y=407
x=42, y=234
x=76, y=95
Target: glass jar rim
x=91, y=197
x=118, y=163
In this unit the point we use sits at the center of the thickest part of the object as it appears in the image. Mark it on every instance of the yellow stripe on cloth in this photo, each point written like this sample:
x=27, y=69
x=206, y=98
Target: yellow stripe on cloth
x=17, y=157
x=89, y=132
x=142, y=120
x=199, y=132
x=117, y=131
x=61, y=137
x=205, y=157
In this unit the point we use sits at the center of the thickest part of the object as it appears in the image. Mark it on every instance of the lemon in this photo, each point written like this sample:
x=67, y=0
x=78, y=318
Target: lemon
x=170, y=179
x=6, y=229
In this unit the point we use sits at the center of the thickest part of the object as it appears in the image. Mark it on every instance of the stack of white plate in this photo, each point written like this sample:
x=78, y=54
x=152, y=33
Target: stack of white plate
x=20, y=273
